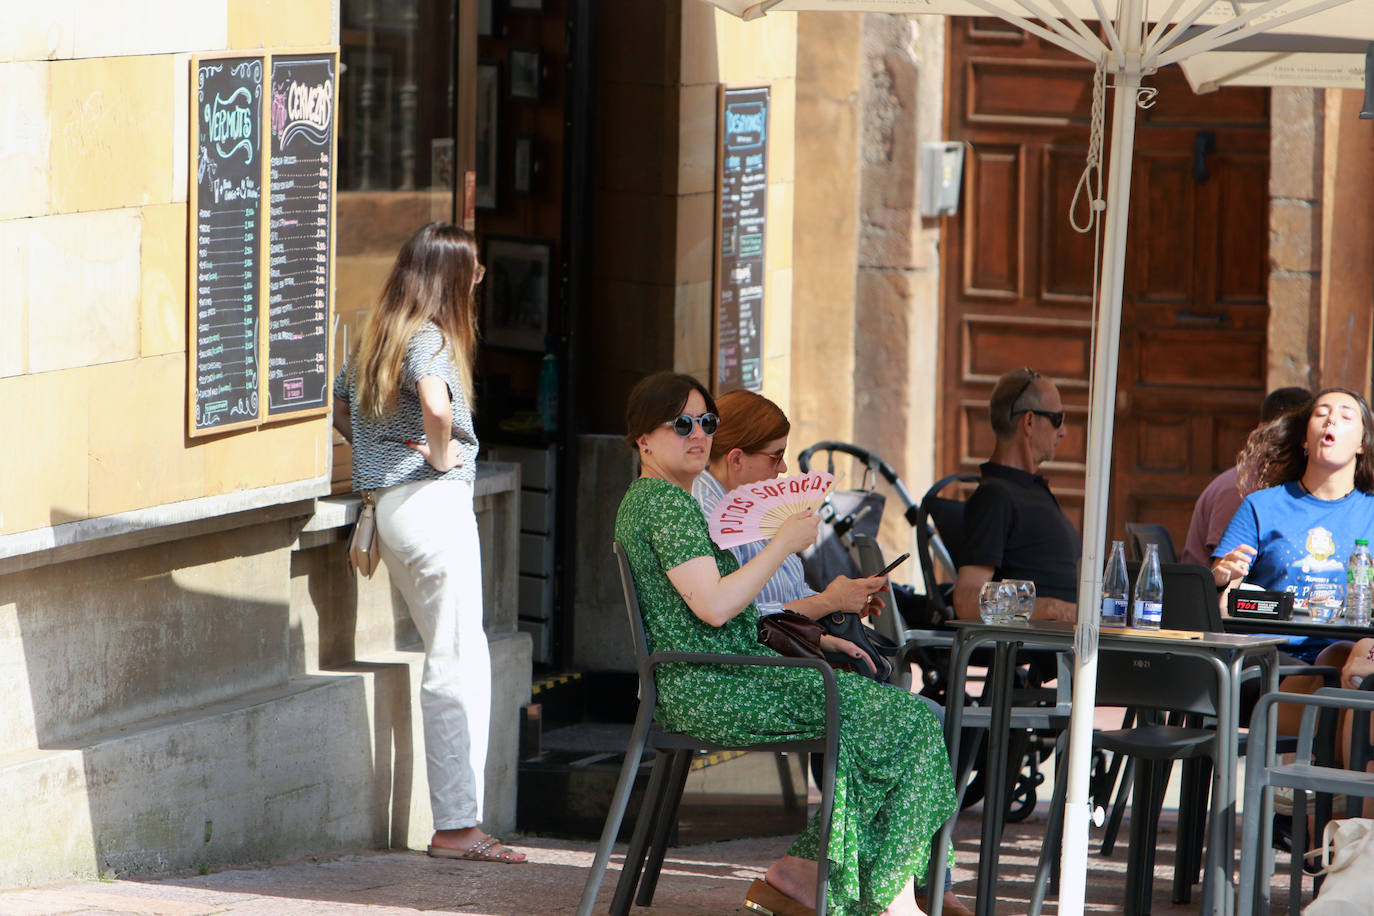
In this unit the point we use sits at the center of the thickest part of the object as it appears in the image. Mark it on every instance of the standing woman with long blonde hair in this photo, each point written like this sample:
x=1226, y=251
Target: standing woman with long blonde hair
x=404, y=401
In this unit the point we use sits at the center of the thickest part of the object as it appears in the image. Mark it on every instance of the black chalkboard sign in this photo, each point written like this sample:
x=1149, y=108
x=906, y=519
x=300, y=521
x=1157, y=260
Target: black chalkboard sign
x=741, y=222
x=303, y=104
x=227, y=222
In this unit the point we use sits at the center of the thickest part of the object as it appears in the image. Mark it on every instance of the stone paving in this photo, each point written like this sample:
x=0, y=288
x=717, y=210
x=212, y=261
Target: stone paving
x=709, y=878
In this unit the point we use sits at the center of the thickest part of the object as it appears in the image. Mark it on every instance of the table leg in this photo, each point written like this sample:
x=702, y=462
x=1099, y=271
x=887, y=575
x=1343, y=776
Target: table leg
x=995, y=777
x=954, y=723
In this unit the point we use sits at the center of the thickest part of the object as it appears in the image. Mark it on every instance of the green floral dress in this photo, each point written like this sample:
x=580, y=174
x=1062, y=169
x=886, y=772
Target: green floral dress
x=893, y=788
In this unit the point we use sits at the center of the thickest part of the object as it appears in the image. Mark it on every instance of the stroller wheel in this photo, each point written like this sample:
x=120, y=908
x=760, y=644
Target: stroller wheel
x=1023, y=797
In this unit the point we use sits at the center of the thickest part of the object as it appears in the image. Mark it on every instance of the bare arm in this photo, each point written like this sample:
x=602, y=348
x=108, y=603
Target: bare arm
x=437, y=409
x=843, y=594
x=1054, y=609
x=966, y=588
x=716, y=599
x=1234, y=566
x=342, y=421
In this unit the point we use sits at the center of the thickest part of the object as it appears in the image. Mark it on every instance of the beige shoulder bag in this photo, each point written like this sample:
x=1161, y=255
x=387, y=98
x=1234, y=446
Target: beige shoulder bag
x=364, y=547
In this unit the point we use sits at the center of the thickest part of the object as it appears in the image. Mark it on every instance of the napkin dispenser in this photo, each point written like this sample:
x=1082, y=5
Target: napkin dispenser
x=1260, y=605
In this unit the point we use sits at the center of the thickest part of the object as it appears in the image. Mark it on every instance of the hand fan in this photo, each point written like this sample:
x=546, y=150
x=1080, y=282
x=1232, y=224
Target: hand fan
x=755, y=511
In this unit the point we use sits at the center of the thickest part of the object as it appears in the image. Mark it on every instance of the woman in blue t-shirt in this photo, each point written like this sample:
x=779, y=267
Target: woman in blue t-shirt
x=1317, y=464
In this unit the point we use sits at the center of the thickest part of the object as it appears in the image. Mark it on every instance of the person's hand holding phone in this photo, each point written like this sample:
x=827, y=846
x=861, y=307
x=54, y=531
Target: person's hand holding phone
x=856, y=596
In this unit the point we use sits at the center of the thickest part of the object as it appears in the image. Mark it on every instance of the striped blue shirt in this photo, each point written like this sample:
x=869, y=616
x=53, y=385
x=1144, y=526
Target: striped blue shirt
x=788, y=583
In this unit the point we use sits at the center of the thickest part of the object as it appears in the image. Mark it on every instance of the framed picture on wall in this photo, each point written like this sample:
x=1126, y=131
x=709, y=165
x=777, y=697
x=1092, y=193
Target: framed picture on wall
x=525, y=67
x=488, y=139
x=522, y=164
x=488, y=19
x=516, y=301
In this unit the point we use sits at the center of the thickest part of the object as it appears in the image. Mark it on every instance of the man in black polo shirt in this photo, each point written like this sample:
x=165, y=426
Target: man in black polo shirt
x=1013, y=526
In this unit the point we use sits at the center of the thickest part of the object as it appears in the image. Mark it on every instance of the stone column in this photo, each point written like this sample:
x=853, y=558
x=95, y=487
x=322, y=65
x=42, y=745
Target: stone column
x=1295, y=236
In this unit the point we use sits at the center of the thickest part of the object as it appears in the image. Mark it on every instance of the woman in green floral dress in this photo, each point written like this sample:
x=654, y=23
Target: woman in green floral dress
x=893, y=787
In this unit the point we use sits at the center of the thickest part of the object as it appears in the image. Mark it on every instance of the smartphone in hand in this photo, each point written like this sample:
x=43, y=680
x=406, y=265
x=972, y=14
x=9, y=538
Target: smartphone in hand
x=891, y=566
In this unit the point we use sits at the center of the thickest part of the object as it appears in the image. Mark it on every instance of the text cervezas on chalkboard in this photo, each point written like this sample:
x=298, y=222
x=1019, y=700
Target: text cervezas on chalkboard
x=742, y=207
x=228, y=225
x=300, y=209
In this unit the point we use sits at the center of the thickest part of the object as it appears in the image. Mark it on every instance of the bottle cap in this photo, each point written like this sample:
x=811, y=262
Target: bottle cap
x=1361, y=542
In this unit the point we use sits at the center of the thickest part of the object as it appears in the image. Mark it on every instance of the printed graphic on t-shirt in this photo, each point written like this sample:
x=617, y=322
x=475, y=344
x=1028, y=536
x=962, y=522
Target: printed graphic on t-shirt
x=1317, y=576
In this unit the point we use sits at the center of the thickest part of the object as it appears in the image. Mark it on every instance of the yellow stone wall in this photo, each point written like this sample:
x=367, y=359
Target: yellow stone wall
x=94, y=147
x=720, y=48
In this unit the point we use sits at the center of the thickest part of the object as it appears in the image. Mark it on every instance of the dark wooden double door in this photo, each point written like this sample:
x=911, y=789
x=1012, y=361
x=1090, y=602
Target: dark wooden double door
x=1018, y=279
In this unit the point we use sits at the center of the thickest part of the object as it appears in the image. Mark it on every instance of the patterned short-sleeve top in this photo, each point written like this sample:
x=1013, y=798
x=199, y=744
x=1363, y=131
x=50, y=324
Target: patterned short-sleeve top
x=381, y=457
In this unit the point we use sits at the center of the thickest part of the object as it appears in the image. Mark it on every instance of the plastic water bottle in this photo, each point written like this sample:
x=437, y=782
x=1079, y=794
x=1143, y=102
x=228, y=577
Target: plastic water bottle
x=1114, y=587
x=1149, y=592
x=1359, y=583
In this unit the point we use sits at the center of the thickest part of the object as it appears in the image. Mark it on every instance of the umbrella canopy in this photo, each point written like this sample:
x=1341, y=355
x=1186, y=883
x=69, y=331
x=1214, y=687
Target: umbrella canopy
x=1280, y=60
x=1126, y=39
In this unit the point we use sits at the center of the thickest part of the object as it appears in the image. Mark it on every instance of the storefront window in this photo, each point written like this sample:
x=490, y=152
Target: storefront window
x=397, y=150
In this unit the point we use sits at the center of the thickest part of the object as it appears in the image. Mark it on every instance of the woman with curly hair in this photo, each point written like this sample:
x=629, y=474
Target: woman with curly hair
x=1312, y=476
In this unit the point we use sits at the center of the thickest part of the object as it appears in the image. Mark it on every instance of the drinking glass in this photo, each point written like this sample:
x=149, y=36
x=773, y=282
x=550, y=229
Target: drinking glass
x=996, y=602
x=1024, y=604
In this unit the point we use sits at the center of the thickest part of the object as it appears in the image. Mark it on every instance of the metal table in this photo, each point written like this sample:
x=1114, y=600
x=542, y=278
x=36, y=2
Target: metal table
x=1226, y=652
x=1298, y=626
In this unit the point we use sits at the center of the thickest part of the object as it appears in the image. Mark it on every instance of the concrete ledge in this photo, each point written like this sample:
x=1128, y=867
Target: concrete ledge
x=339, y=512
x=156, y=525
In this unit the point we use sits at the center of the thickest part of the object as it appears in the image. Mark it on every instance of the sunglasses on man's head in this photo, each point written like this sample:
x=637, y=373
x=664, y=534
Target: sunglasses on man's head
x=1056, y=417
x=683, y=423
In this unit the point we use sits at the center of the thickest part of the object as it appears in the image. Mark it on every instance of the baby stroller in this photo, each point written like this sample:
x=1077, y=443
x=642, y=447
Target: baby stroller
x=847, y=545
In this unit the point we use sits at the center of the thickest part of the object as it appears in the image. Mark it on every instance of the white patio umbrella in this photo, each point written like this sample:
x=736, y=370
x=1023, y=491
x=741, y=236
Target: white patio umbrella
x=1281, y=60
x=1130, y=38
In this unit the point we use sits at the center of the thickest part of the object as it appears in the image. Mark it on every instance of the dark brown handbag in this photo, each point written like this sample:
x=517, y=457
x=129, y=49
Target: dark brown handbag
x=794, y=636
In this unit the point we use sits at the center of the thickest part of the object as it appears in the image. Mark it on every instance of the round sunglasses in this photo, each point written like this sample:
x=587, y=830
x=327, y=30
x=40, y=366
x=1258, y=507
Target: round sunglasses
x=683, y=423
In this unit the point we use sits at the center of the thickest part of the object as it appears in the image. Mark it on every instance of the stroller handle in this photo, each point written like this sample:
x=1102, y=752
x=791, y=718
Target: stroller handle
x=871, y=461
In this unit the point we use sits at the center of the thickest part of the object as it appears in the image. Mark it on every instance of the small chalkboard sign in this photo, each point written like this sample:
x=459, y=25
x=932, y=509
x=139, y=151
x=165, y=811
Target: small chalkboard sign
x=741, y=224
x=300, y=248
x=227, y=223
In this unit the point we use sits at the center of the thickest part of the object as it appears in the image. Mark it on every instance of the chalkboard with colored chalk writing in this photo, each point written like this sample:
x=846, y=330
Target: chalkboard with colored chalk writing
x=302, y=106
x=741, y=228
x=227, y=223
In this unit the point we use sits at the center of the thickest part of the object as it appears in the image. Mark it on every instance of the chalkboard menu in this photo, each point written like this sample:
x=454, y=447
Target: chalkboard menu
x=300, y=243
x=226, y=205
x=741, y=221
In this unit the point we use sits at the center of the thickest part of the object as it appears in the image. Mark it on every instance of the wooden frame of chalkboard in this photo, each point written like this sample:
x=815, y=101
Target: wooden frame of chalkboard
x=227, y=238
x=303, y=157
x=742, y=119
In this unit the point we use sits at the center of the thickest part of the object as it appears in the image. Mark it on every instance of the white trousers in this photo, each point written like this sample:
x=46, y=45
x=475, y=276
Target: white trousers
x=432, y=553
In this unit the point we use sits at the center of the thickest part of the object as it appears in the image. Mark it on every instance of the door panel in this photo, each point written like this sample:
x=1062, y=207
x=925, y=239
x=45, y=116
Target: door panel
x=993, y=265
x=1066, y=262
x=1018, y=279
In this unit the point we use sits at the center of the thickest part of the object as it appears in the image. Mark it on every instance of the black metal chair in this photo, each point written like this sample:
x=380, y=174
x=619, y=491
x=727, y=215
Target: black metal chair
x=939, y=527
x=1157, y=683
x=939, y=523
x=1139, y=534
x=675, y=751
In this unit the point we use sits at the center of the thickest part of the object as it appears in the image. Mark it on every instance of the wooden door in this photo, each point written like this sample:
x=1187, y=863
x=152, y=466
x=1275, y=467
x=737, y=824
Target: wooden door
x=1017, y=279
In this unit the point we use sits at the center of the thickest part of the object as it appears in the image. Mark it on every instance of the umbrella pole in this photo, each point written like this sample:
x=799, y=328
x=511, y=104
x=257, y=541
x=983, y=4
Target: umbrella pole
x=1077, y=814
